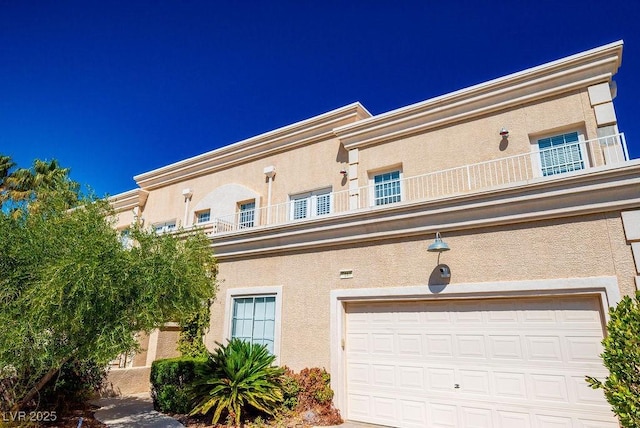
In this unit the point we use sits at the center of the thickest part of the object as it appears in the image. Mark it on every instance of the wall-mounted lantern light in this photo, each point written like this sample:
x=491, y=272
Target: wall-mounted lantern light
x=504, y=133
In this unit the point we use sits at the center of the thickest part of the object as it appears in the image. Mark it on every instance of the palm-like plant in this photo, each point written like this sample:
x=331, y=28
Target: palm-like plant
x=236, y=378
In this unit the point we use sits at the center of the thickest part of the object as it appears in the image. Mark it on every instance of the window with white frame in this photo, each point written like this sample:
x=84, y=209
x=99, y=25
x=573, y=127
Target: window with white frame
x=247, y=214
x=311, y=204
x=561, y=153
x=203, y=216
x=165, y=227
x=254, y=320
x=386, y=188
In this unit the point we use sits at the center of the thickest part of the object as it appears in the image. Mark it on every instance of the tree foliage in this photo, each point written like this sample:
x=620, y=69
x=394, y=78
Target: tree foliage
x=69, y=289
x=621, y=357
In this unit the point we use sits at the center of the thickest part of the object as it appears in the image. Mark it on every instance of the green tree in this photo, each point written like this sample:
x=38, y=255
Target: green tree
x=621, y=357
x=69, y=289
x=25, y=186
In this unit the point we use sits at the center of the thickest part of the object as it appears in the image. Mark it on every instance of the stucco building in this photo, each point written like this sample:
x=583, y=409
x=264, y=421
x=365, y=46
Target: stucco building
x=322, y=231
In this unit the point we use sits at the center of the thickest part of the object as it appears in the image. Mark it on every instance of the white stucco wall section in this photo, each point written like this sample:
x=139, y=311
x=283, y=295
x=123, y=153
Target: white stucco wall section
x=223, y=200
x=606, y=288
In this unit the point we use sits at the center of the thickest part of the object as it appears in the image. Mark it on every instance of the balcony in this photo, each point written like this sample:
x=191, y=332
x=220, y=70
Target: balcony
x=508, y=172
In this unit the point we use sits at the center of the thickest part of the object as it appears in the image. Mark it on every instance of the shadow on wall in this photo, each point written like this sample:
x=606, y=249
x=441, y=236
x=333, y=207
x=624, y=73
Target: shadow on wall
x=439, y=279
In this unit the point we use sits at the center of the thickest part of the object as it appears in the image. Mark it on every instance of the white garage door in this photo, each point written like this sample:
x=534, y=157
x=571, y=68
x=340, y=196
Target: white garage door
x=500, y=363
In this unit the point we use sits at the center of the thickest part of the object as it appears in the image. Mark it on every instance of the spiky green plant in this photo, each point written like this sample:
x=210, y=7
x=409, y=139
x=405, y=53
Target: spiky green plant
x=236, y=378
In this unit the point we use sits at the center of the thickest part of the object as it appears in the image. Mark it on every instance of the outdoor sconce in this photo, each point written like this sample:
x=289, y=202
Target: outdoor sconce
x=504, y=133
x=438, y=245
x=344, y=172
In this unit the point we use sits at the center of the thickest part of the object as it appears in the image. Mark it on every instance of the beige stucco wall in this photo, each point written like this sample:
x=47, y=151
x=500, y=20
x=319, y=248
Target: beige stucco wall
x=310, y=167
x=168, y=342
x=127, y=381
x=318, y=165
x=478, y=140
x=586, y=246
x=140, y=359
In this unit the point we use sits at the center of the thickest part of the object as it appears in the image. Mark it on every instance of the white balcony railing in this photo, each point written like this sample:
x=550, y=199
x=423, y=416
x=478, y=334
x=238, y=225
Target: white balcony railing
x=508, y=171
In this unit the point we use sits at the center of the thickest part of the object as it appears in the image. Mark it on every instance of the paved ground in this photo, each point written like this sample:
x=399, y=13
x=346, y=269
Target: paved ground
x=136, y=411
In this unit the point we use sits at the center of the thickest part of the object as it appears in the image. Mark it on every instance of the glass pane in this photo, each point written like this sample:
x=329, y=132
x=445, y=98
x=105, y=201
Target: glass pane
x=270, y=308
x=560, y=153
x=254, y=320
x=323, y=204
x=259, y=309
x=387, y=188
x=300, y=208
x=247, y=214
x=258, y=330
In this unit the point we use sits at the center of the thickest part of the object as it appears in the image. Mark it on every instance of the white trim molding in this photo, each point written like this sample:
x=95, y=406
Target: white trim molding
x=578, y=71
x=606, y=288
x=275, y=290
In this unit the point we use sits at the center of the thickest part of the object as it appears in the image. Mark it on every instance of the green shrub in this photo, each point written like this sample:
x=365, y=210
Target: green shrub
x=290, y=389
x=621, y=357
x=236, y=379
x=190, y=342
x=309, y=393
x=316, y=386
x=170, y=381
x=76, y=382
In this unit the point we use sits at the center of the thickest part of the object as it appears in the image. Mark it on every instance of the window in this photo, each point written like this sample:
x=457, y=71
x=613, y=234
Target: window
x=125, y=238
x=311, y=204
x=386, y=188
x=254, y=314
x=247, y=215
x=560, y=154
x=254, y=320
x=167, y=226
x=203, y=216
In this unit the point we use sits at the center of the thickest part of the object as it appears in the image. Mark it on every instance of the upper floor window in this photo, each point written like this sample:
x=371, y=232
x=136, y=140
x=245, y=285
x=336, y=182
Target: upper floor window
x=311, y=204
x=561, y=153
x=203, y=216
x=167, y=226
x=247, y=215
x=386, y=188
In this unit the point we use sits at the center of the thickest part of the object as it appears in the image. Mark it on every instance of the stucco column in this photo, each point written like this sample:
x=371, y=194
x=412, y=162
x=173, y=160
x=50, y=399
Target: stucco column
x=153, y=346
x=354, y=190
x=631, y=225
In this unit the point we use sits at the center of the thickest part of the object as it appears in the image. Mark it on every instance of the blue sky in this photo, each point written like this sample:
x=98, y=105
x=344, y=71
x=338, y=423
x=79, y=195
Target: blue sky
x=114, y=88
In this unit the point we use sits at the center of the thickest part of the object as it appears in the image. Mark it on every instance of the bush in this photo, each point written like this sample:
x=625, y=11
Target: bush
x=309, y=393
x=236, y=379
x=170, y=380
x=77, y=382
x=622, y=358
x=290, y=389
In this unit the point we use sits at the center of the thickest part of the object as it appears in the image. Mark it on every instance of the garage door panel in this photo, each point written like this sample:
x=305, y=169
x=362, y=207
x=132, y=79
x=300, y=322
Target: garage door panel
x=513, y=419
x=505, y=347
x=584, y=348
x=439, y=345
x=544, y=348
x=473, y=417
x=473, y=381
x=382, y=343
x=410, y=344
x=498, y=363
x=443, y=415
x=471, y=346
